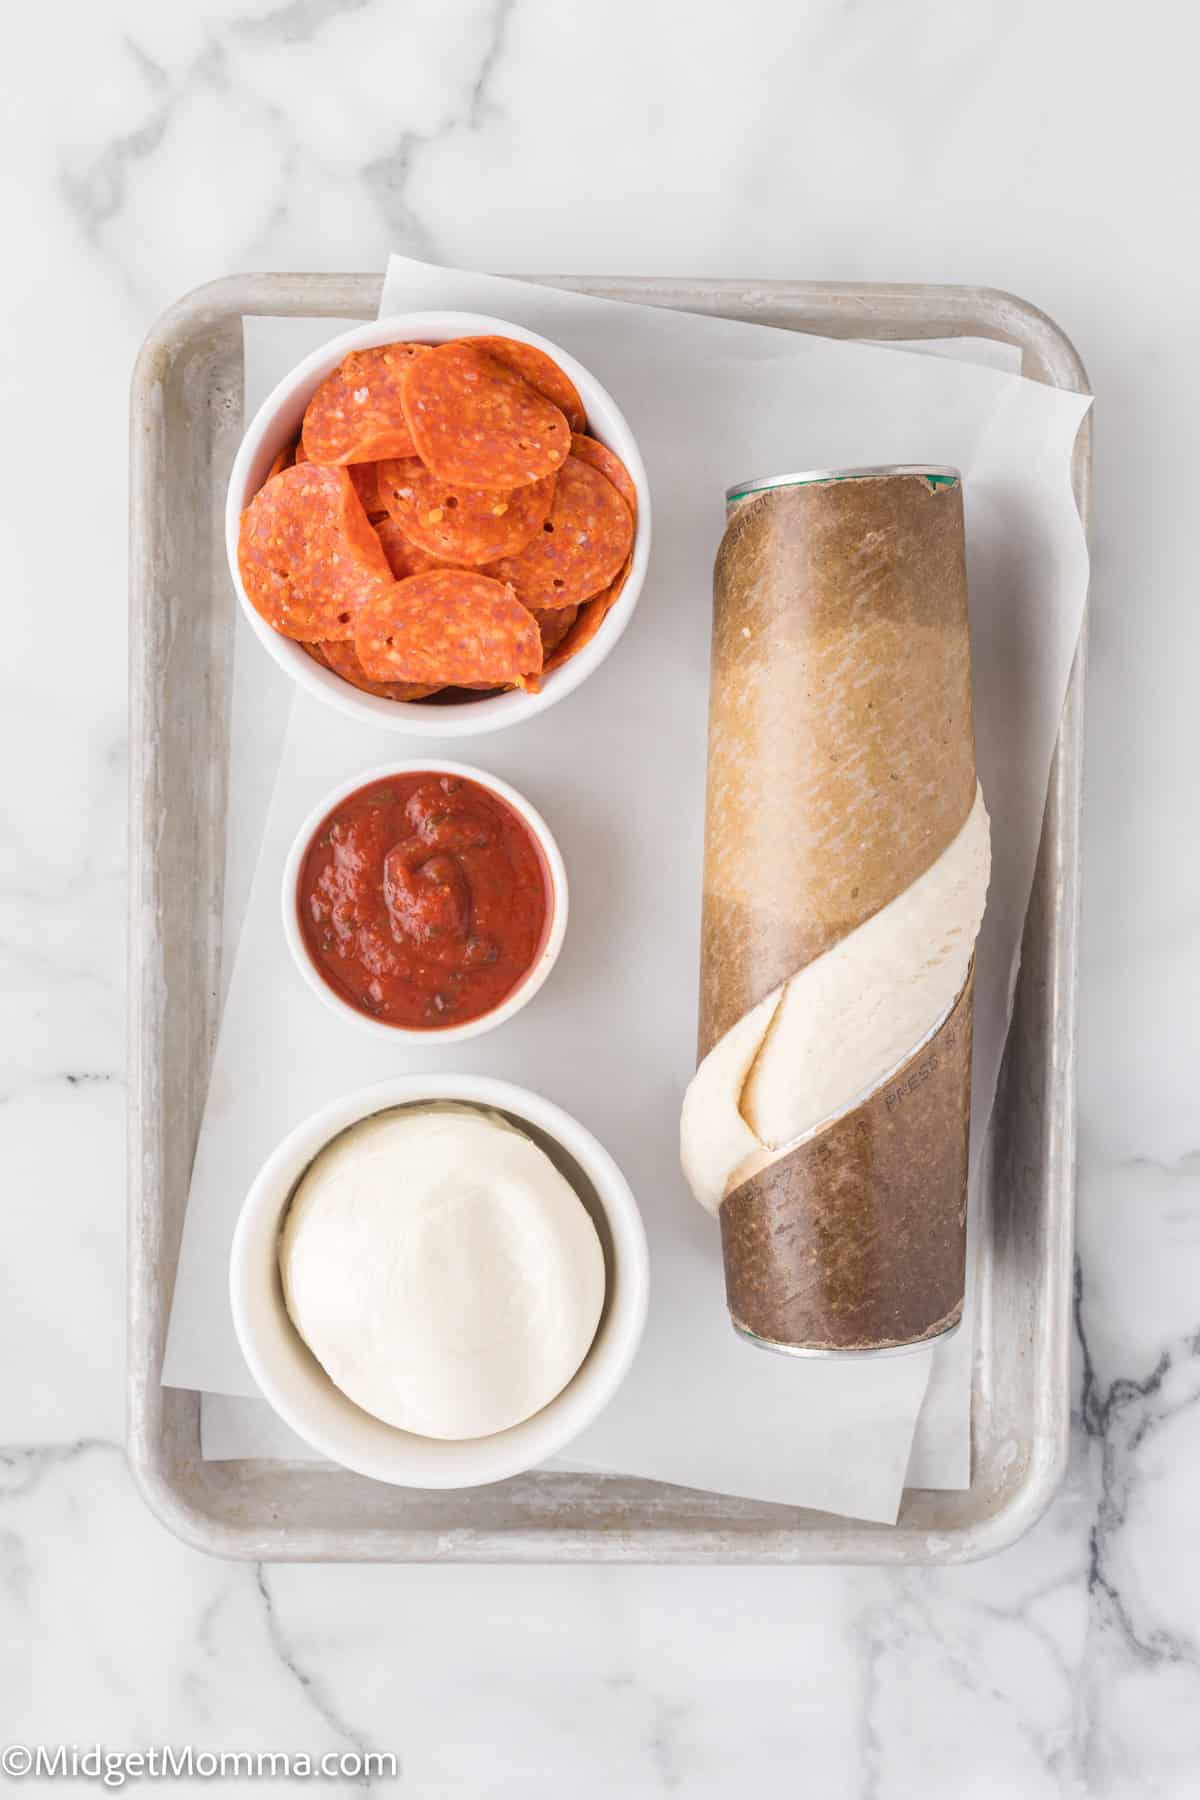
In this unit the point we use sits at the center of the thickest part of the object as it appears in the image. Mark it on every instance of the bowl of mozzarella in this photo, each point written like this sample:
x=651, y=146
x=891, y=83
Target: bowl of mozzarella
x=439, y=1281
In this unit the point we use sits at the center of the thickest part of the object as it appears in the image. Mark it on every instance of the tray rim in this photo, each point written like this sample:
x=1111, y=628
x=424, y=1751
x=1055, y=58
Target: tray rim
x=830, y=308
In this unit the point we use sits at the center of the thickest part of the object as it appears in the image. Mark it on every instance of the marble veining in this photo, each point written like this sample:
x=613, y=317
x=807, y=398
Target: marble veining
x=150, y=148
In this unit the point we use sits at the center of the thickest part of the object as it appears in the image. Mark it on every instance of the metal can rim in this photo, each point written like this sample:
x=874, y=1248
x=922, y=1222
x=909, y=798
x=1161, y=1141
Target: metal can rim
x=871, y=1353
x=761, y=484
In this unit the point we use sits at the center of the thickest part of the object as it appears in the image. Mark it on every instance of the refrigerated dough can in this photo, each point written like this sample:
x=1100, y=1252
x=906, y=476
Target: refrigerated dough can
x=841, y=781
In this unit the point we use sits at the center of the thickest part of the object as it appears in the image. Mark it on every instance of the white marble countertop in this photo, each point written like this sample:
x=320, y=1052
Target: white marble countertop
x=1049, y=149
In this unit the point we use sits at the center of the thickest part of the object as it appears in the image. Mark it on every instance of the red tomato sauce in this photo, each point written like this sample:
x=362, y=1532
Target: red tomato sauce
x=424, y=900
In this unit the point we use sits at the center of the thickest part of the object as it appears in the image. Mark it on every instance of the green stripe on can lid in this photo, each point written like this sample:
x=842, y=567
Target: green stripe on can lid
x=936, y=475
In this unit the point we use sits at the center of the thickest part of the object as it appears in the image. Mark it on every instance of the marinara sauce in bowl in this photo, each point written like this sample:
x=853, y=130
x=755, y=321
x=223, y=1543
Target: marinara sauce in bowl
x=426, y=900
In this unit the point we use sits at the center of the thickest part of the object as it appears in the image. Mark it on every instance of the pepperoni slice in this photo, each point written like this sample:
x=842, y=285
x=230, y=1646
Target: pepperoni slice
x=365, y=477
x=473, y=421
x=357, y=413
x=299, y=453
x=282, y=461
x=554, y=625
x=587, y=623
x=308, y=556
x=581, y=546
x=404, y=557
x=462, y=525
x=539, y=370
x=343, y=660
x=450, y=627
x=590, y=450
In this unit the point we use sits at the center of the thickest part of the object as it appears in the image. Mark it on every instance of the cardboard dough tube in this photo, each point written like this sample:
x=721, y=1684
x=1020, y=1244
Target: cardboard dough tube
x=841, y=765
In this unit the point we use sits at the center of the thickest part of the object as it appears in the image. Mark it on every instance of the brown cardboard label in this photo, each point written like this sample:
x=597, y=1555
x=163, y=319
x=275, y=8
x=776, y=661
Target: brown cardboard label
x=857, y=1239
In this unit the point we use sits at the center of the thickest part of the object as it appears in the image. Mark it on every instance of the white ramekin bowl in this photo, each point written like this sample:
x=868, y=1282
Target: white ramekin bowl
x=526, y=988
x=296, y=1385
x=276, y=424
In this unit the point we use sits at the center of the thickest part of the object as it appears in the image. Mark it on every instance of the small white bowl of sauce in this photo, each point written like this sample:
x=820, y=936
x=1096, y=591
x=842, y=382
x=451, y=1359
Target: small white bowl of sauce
x=425, y=900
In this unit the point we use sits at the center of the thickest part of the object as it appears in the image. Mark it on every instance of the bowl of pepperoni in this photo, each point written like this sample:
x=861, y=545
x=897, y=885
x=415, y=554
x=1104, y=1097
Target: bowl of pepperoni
x=438, y=523
x=425, y=900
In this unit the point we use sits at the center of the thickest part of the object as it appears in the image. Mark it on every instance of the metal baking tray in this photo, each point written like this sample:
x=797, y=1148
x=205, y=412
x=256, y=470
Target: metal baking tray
x=186, y=422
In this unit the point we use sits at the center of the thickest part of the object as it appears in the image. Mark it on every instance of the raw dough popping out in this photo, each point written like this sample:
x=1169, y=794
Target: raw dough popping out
x=442, y=1271
x=814, y=1049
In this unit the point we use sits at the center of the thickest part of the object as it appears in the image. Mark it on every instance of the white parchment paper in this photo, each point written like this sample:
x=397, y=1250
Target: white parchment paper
x=618, y=769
